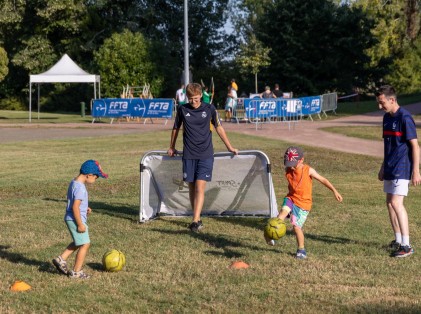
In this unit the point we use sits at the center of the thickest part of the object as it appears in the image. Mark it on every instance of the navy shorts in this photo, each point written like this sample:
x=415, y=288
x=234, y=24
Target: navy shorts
x=197, y=169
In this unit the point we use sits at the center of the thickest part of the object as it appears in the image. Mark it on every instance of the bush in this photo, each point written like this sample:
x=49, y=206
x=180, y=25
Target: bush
x=12, y=103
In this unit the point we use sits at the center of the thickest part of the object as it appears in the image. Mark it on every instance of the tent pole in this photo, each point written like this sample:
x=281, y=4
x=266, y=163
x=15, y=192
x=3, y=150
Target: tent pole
x=30, y=101
x=38, y=100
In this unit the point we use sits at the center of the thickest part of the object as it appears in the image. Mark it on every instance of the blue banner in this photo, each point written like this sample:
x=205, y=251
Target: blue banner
x=311, y=105
x=132, y=107
x=281, y=107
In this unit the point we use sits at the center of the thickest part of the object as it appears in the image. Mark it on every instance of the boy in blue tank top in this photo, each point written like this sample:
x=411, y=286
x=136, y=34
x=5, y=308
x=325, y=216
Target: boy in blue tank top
x=197, y=119
x=400, y=165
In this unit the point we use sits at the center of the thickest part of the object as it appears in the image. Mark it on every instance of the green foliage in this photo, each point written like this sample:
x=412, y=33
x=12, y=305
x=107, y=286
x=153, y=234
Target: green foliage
x=4, y=61
x=406, y=70
x=11, y=103
x=125, y=59
x=37, y=56
x=253, y=56
x=300, y=35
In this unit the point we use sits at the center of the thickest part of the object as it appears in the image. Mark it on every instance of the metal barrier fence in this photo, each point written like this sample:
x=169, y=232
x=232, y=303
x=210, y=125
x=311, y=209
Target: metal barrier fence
x=273, y=111
x=329, y=103
x=238, y=112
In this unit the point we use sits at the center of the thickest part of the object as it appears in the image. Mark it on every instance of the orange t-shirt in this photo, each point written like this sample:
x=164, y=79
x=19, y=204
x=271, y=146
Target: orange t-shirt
x=300, y=186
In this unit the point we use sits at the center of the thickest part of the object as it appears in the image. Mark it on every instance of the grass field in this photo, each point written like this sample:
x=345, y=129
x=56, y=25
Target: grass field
x=170, y=270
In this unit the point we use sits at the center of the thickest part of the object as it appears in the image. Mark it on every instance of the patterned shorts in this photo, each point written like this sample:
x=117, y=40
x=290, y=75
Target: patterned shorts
x=298, y=216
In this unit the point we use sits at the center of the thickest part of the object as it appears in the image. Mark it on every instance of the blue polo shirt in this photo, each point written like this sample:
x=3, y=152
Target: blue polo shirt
x=398, y=130
x=197, y=129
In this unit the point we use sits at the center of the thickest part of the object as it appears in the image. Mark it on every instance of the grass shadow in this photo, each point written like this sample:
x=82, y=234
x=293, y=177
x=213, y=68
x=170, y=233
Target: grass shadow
x=115, y=210
x=18, y=258
x=95, y=266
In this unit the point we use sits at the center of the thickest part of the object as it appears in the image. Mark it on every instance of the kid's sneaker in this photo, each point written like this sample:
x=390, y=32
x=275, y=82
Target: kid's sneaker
x=271, y=242
x=61, y=265
x=394, y=246
x=196, y=226
x=403, y=251
x=301, y=254
x=78, y=274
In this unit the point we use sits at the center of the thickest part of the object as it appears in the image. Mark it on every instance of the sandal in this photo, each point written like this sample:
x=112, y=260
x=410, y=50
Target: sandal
x=78, y=274
x=61, y=265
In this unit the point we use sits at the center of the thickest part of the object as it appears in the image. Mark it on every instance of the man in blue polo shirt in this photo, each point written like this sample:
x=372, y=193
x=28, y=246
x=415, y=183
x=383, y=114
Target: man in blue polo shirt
x=197, y=119
x=400, y=165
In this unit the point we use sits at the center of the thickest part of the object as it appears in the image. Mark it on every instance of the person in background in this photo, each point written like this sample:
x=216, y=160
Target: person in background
x=277, y=92
x=234, y=85
x=206, y=95
x=267, y=93
x=180, y=96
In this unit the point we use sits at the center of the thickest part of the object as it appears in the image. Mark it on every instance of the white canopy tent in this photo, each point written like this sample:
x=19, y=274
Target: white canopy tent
x=64, y=71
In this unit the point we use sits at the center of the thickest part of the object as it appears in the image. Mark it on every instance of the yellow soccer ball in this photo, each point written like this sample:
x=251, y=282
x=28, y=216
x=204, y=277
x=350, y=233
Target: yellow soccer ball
x=275, y=228
x=113, y=260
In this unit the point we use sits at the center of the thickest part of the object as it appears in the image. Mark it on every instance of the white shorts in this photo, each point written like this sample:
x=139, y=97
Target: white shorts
x=396, y=187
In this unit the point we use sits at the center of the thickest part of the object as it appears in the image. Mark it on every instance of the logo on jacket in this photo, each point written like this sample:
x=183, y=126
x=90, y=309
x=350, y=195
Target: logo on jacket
x=204, y=115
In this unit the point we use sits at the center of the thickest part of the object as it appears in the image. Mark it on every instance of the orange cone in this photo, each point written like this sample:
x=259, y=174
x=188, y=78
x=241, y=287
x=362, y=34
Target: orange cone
x=239, y=265
x=20, y=285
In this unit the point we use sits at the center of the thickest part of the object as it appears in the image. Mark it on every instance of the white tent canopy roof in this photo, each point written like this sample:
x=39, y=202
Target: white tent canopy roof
x=64, y=71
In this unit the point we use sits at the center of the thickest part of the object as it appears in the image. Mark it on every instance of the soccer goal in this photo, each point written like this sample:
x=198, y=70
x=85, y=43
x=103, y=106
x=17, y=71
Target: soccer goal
x=241, y=186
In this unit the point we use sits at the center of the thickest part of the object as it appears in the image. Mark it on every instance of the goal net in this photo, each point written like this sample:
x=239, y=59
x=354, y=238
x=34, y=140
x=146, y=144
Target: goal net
x=241, y=186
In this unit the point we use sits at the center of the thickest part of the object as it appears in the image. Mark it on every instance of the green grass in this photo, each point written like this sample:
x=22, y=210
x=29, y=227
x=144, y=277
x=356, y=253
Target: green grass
x=170, y=270
x=11, y=117
x=347, y=108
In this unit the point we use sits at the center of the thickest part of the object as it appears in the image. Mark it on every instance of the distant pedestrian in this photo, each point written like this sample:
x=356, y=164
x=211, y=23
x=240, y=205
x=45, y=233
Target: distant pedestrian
x=267, y=93
x=180, y=96
x=277, y=92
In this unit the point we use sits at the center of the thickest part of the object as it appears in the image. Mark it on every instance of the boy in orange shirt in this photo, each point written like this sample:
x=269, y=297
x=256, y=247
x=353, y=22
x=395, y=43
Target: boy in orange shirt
x=297, y=203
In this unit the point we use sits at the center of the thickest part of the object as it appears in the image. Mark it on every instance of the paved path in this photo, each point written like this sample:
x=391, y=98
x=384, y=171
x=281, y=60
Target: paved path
x=304, y=132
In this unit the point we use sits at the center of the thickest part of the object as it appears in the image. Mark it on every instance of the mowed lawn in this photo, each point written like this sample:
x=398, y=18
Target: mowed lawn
x=170, y=270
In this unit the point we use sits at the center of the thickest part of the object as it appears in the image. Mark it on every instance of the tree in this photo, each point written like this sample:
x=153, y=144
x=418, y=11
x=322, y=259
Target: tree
x=125, y=58
x=4, y=61
x=252, y=57
x=312, y=48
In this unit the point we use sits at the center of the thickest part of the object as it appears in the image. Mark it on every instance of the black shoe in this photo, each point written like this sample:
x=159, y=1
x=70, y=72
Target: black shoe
x=394, y=246
x=196, y=226
x=404, y=251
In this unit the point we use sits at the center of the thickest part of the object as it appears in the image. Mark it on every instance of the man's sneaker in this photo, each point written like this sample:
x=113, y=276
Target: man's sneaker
x=403, y=251
x=301, y=254
x=78, y=274
x=196, y=226
x=61, y=265
x=394, y=246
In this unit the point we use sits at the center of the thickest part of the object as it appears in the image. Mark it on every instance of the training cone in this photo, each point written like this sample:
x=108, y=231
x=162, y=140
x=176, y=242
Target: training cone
x=239, y=265
x=20, y=285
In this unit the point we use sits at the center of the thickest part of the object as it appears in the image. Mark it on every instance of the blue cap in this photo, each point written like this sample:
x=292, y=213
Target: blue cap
x=92, y=167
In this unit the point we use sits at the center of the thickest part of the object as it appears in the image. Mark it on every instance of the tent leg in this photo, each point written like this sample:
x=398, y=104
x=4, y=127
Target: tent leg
x=30, y=101
x=38, y=100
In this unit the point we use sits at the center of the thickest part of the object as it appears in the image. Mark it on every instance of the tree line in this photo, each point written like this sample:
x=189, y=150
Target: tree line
x=308, y=47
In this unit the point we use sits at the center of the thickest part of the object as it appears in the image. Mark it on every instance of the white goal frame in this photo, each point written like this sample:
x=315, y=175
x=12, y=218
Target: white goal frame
x=241, y=186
